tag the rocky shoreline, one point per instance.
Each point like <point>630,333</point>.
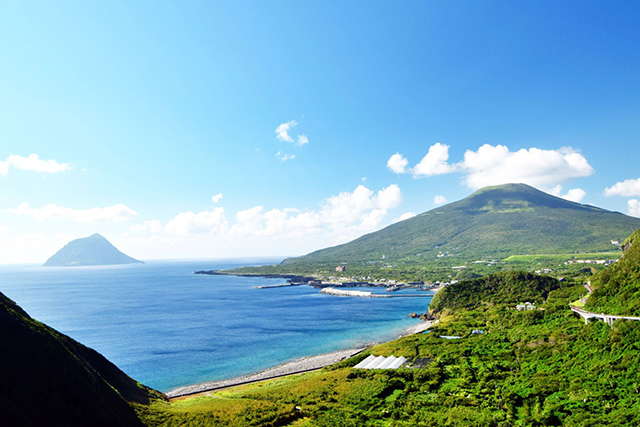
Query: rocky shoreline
<point>294,278</point>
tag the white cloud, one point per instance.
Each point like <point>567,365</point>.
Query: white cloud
<point>434,162</point>
<point>115,213</point>
<point>302,139</point>
<point>194,223</point>
<point>249,221</point>
<point>439,200</point>
<point>32,163</point>
<point>348,208</point>
<point>497,165</point>
<point>404,216</point>
<point>634,207</point>
<point>573,195</point>
<point>397,163</point>
<point>284,157</point>
<point>346,215</point>
<point>216,198</point>
<point>259,231</point>
<point>493,165</point>
<point>147,226</point>
<point>4,229</point>
<point>388,198</point>
<point>282,131</point>
<point>628,188</point>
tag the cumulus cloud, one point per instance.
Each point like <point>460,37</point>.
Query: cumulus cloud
<point>493,165</point>
<point>397,163</point>
<point>147,227</point>
<point>196,223</point>
<point>404,216</point>
<point>282,131</point>
<point>439,200</point>
<point>628,188</point>
<point>573,195</point>
<point>32,163</point>
<point>634,207</point>
<point>284,157</point>
<point>302,139</point>
<point>216,198</point>
<point>281,231</point>
<point>249,221</point>
<point>115,213</point>
<point>346,207</point>
<point>434,162</point>
<point>346,214</point>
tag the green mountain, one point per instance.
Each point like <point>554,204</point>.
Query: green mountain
<point>493,222</point>
<point>92,250</point>
<point>617,288</point>
<point>48,379</point>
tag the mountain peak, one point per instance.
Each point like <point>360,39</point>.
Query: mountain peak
<point>493,222</point>
<point>92,250</point>
<point>516,198</point>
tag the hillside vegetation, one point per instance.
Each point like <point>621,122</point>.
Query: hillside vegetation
<point>542,367</point>
<point>509,287</point>
<point>617,288</point>
<point>503,367</point>
<point>48,379</point>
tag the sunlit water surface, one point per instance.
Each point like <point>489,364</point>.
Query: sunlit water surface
<point>167,327</point>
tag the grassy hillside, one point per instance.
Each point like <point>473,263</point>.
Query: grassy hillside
<point>48,379</point>
<point>617,288</point>
<point>494,222</point>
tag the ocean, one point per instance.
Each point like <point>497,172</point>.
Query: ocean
<point>167,327</point>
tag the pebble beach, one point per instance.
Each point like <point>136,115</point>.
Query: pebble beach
<point>297,366</point>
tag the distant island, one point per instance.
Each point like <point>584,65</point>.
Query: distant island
<point>92,250</point>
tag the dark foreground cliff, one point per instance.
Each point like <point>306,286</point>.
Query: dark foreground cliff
<point>49,379</point>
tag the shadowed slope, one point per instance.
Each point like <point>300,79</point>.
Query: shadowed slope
<point>48,379</point>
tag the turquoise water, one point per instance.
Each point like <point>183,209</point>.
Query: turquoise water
<point>167,327</point>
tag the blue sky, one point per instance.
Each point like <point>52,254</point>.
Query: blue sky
<point>146,110</point>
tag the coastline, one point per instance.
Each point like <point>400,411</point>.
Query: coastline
<point>293,367</point>
<point>297,366</point>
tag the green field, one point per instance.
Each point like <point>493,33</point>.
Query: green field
<point>563,257</point>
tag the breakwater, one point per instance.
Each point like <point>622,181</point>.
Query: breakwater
<point>281,285</point>
<point>346,293</point>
